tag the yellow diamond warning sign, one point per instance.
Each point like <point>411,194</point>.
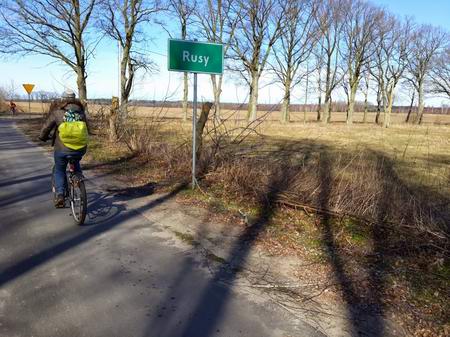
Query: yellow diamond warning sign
<point>28,87</point>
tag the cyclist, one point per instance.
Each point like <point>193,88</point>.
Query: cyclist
<point>12,107</point>
<point>68,118</point>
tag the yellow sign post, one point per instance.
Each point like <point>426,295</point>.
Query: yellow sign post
<point>28,88</point>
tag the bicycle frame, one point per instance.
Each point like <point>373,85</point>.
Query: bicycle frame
<point>75,193</point>
<point>75,181</point>
<point>73,178</point>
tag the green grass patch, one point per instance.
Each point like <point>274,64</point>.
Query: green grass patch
<point>356,232</point>
<point>213,257</point>
<point>187,238</point>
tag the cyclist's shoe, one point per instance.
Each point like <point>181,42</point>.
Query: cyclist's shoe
<point>59,201</point>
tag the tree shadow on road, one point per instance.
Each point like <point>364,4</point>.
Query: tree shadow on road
<point>106,213</point>
<point>25,180</point>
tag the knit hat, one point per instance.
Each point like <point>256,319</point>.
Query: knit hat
<point>67,94</point>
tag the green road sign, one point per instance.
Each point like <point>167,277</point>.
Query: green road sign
<point>195,57</point>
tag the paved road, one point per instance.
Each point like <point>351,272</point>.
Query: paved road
<point>118,275</point>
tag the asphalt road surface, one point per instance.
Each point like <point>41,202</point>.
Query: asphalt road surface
<point>116,276</point>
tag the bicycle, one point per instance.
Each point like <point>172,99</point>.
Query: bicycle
<point>75,192</point>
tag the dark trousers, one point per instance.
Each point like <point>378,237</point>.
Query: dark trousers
<point>61,161</point>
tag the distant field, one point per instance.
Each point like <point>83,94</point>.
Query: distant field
<point>296,117</point>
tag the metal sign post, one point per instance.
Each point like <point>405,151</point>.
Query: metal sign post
<point>28,88</point>
<point>195,57</point>
<point>194,133</point>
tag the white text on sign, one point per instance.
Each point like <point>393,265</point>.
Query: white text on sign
<point>188,57</point>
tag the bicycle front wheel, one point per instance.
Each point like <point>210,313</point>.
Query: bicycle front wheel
<point>78,201</point>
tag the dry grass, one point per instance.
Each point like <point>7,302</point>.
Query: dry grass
<point>420,153</point>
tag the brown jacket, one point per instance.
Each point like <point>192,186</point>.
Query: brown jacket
<point>56,117</point>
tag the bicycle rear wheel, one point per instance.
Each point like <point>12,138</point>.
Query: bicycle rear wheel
<point>78,200</point>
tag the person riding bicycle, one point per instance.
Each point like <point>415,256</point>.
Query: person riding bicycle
<point>12,107</point>
<point>68,118</point>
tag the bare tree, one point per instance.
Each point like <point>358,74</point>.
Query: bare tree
<point>55,28</point>
<point>425,44</point>
<point>440,74</point>
<point>366,87</point>
<point>183,11</point>
<point>257,30</point>
<point>12,90</point>
<point>375,73</point>
<point>318,70</point>
<point>218,24</point>
<point>392,56</point>
<point>122,21</point>
<point>410,89</point>
<point>294,48</point>
<point>379,102</point>
<point>329,18</point>
<point>359,26</point>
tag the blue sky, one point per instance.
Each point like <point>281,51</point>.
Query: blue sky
<point>103,80</point>
<point>436,12</point>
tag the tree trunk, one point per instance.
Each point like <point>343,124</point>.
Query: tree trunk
<point>330,109</point>
<point>81,83</point>
<point>217,91</point>
<point>366,106</point>
<point>123,110</point>
<point>408,116</point>
<point>351,104</point>
<point>253,103</point>
<point>217,104</point>
<point>418,118</point>
<point>113,119</point>
<point>388,110</point>
<point>206,107</point>
<point>379,101</point>
<point>306,96</point>
<point>326,110</point>
<point>185,97</point>
<point>319,108</point>
<point>286,103</point>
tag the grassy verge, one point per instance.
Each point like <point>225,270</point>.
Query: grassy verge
<point>370,206</point>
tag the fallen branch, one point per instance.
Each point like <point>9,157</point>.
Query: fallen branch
<point>391,224</point>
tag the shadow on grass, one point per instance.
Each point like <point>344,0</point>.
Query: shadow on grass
<point>365,319</point>
<point>388,245</point>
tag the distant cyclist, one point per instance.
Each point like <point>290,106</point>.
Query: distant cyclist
<point>68,118</point>
<point>12,107</point>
